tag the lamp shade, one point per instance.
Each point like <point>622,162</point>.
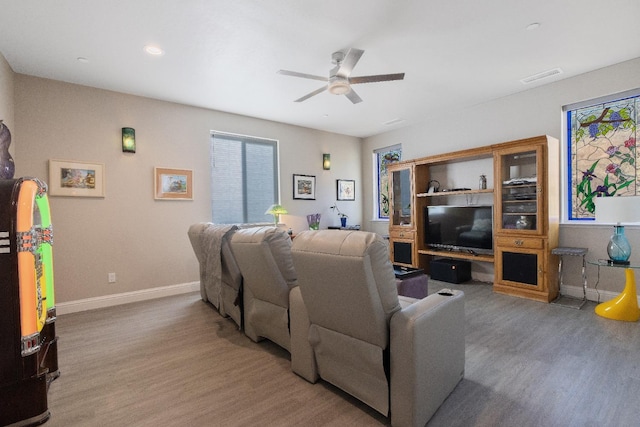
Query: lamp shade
<point>617,210</point>
<point>276,210</point>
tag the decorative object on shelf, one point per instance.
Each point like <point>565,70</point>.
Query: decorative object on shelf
<point>276,210</point>
<point>523,223</point>
<point>618,211</point>
<point>326,161</point>
<point>7,166</point>
<point>433,186</point>
<point>346,189</point>
<point>343,217</point>
<point>483,183</point>
<point>173,184</point>
<point>314,221</point>
<point>304,187</point>
<point>76,179</point>
<point>128,140</point>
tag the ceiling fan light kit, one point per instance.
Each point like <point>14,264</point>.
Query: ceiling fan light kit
<point>339,86</point>
<point>339,82</point>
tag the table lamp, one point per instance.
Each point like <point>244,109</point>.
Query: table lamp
<point>618,211</point>
<point>276,210</point>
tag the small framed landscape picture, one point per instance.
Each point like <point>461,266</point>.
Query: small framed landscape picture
<point>304,187</point>
<point>173,184</point>
<point>346,189</point>
<point>76,179</point>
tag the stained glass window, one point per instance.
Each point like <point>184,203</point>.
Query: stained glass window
<point>602,153</point>
<point>383,158</point>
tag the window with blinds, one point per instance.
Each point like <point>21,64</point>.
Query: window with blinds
<point>244,178</point>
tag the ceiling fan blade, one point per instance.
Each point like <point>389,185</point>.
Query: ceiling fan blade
<point>378,78</point>
<point>309,95</point>
<point>350,60</point>
<point>303,75</point>
<point>353,96</point>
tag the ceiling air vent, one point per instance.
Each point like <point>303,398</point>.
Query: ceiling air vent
<point>540,76</point>
<point>393,122</point>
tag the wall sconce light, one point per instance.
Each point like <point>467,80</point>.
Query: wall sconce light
<point>326,161</point>
<point>128,140</point>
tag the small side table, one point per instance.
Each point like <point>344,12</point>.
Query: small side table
<point>565,300</point>
<point>624,306</point>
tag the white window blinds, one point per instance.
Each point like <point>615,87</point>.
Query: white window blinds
<point>244,178</point>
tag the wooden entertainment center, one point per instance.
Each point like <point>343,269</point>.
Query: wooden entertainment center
<point>523,186</point>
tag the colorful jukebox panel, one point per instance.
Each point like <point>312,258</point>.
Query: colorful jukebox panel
<point>27,311</point>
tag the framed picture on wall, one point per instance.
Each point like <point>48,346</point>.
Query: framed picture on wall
<point>76,179</point>
<point>304,187</point>
<point>346,189</point>
<point>173,184</point>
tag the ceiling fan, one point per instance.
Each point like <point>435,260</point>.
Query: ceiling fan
<point>339,81</point>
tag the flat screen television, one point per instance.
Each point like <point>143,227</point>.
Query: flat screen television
<point>459,228</point>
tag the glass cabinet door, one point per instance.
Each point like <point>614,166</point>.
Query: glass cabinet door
<point>401,197</point>
<point>519,198</point>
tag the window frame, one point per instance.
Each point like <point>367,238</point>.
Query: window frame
<point>573,185</point>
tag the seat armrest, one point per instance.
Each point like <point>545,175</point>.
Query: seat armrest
<point>303,360</point>
<point>427,356</point>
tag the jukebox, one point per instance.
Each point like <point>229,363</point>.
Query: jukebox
<point>28,342</point>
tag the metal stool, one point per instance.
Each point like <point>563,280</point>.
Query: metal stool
<point>565,300</point>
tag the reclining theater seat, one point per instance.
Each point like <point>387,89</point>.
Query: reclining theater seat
<point>220,279</point>
<point>273,306</point>
<point>402,357</point>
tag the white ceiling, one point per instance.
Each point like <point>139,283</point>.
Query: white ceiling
<point>224,54</point>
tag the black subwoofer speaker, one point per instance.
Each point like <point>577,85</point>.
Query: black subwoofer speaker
<point>450,270</point>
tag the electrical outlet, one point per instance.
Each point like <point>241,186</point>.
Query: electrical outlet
<point>112,277</point>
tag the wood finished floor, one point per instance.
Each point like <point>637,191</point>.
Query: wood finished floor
<point>175,362</point>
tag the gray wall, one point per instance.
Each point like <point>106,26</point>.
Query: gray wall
<point>6,99</point>
<point>144,241</point>
<point>537,111</point>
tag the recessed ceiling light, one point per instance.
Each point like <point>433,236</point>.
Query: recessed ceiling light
<point>153,50</point>
<point>533,26</point>
<point>82,59</point>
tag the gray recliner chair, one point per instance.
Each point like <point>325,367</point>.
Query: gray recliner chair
<point>400,356</point>
<point>220,278</point>
<point>272,304</point>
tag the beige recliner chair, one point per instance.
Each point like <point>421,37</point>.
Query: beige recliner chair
<point>273,307</point>
<point>220,279</point>
<point>400,356</point>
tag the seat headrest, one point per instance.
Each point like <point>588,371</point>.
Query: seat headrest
<point>337,242</point>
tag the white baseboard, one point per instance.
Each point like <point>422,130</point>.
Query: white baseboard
<point>125,298</point>
<point>592,294</point>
